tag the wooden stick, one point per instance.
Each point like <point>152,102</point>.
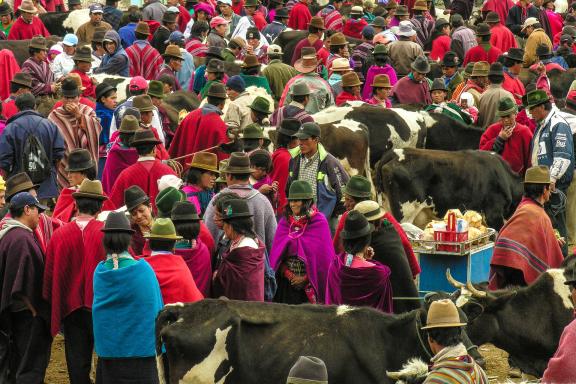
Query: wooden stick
<point>204,150</point>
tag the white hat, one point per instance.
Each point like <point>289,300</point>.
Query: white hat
<point>227,2</point>
<point>340,64</point>
<point>529,22</point>
<point>274,50</point>
<point>468,97</point>
<point>357,10</point>
<point>406,29</point>
<point>169,181</point>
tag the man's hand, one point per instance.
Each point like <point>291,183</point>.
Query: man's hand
<point>553,186</point>
<point>299,281</point>
<point>74,109</point>
<point>505,133</point>
<point>265,189</point>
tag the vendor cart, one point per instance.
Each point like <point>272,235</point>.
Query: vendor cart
<point>467,260</point>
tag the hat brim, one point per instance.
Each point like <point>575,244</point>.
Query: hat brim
<point>529,106</point>
<point>28,10</point>
<point>349,235</point>
<point>299,197</point>
<point>80,169</point>
<point>287,132</point>
<point>127,230</point>
<point>298,65</point>
<point>137,202</point>
<point>444,325</point>
<point>90,196</point>
<point>22,188</point>
<point>204,168</point>
<point>165,237</point>
<point>174,57</point>
<point>145,142</point>
<point>376,85</point>
<point>156,95</point>
<point>236,171</point>
<point>355,193</point>
<point>187,217</point>
<point>507,112</point>
<point>238,216</point>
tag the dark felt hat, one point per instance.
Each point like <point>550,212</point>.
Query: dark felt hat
<point>250,61</point>
<point>260,104</point>
<point>355,226</point>
<point>90,189</point>
<point>5,9</point>
<point>282,13</point>
<point>206,161</point>
<point>156,89</point>
<point>338,39</point>
<point>234,209</point>
<point>506,107</point>
<point>166,199</point>
<point>215,52</point>
<point>70,88</point>
<point>483,29</point>
<point>169,17</point>
<point>516,54</point>
<point>83,54</point>
<point>438,85</point>
<point>20,182</point>
<point>215,66</point>
<point>217,90</point>
<point>173,51</point>
<point>289,127</point>
<point>38,42</point>
<point>184,211</point>
<point>421,65</point>
<point>239,163</point>
<point>129,124</point>
<point>134,196</point>
<point>496,69</point>
<point>450,59</point>
<point>252,33</point>
<point>492,17</point>
<point>117,222</point>
<point>543,51</point>
<point>22,78</point>
<point>143,103</point>
<point>379,21</point>
<point>300,190</point>
<point>536,98</point>
<point>79,160</point>
<point>316,22</point>
<point>253,131</point>
<point>98,36</point>
<point>102,89</point>
<point>143,28</point>
<point>358,186</point>
<point>144,137</point>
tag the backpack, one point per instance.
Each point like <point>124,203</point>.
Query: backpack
<point>34,160</point>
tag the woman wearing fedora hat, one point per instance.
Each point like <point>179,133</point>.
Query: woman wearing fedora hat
<point>300,261</point>
<point>382,66</point>
<point>350,89</point>
<point>354,278</point>
<point>127,291</point>
<point>240,276</point>
<point>200,179</point>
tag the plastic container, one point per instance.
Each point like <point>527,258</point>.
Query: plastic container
<point>450,235</point>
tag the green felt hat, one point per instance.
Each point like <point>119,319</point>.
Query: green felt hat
<point>535,98</point>
<point>506,107</point>
<point>260,104</point>
<point>184,211</point>
<point>300,190</point>
<point>156,89</point>
<point>235,209</point>
<point>166,199</point>
<point>163,228</point>
<point>358,186</point>
<point>253,131</point>
<point>355,226</point>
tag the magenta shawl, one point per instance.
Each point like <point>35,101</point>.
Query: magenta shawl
<point>118,160</point>
<point>198,261</point>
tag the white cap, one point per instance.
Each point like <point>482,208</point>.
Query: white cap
<point>274,49</point>
<point>529,22</point>
<point>227,2</point>
<point>406,29</point>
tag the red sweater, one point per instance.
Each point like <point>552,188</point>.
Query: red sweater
<point>516,149</point>
<point>300,16</point>
<point>440,46</point>
<point>89,87</point>
<point>280,172</point>
<point>9,108</point>
<point>22,31</point>
<point>353,28</point>
<point>502,38</point>
<point>514,86</point>
<point>478,53</point>
<point>343,97</point>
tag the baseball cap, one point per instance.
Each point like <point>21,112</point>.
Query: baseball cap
<point>22,199</point>
<point>70,40</point>
<point>308,130</point>
<point>227,2</point>
<point>138,83</point>
<point>173,9</point>
<point>216,21</point>
<point>175,37</point>
<point>274,50</point>
<point>96,8</point>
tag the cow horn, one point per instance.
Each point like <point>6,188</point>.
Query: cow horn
<point>394,375</point>
<point>453,281</point>
<point>475,292</point>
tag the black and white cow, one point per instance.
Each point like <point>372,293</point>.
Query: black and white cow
<point>413,178</point>
<point>525,322</point>
<point>19,48</point>
<point>406,127</point>
<point>220,341</point>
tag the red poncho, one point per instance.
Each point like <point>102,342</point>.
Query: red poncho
<point>9,108</point>
<point>241,274</point>
<point>344,97</point>
<point>479,53</point>
<point>89,87</point>
<point>66,209</point>
<point>176,282</point>
<point>8,68</point>
<point>280,172</point>
<point>502,38</point>
<point>562,366</point>
<point>300,16</point>
<point>203,128</point>
<point>118,160</point>
<point>516,148</point>
<point>23,31</point>
<point>353,28</point>
<point>513,85</point>
<point>72,256</point>
<point>526,243</point>
<point>199,263</point>
<point>144,174</point>
<point>440,46</point>
<point>501,7</point>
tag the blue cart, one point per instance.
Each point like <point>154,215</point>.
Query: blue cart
<point>469,261</point>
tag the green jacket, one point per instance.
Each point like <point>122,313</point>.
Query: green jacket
<point>257,81</point>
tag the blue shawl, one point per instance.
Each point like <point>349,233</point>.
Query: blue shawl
<point>105,115</point>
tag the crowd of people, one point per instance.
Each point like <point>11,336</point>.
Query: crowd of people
<point>113,208</point>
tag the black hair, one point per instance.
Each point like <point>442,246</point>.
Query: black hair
<point>223,198</point>
<point>299,98</point>
<point>189,229</point>
<point>15,87</point>
<point>457,22</point>
<point>240,176</point>
<point>348,89</point>
<point>282,140</point>
<point>33,51</point>
<point>307,205</point>
<point>140,36</point>
<point>107,94</point>
<point>219,76</point>
<point>250,144</point>
<point>243,226</point>
<point>16,212</point>
<point>161,244</point>
<point>137,92</point>
<point>536,25</point>
<point>496,79</point>
<point>336,48</point>
<point>116,242</point>
<point>354,246</point>
<point>259,117</point>
<point>508,62</point>
<point>312,29</point>
<point>126,138</point>
<point>25,101</point>
<point>446,336</point>
<point>381,59</point>
<point>88,206</point>
<point>548,105</point>
<point>194,174</point>
<point>198,28</point>
<point>90,173</point>
<point>111,2</point>
<point>95,45</point>
<point>534,191</point>
<point>252,71</point>
<point>145,149</point>
<point>167,79</point>
<point>485,38</point>
<point>261,161</point>
<point>135,17</point>
<point>215,100</point>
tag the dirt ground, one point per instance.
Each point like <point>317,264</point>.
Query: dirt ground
<point>496,360</point>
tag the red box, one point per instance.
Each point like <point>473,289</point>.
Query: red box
<point>450,235</point>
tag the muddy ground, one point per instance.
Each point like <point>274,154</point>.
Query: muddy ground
<point>496,360</point>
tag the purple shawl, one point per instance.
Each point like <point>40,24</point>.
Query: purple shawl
<point>200,264</point>
<point>317,255</point>
<point>366,286</point>
<point>118,160</point>
<point>372,72</point>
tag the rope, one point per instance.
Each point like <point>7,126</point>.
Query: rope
<point>422,344</point>
<point>204,150</point>
<point>407,298</point>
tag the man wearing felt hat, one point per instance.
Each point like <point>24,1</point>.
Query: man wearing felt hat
<point>276,72</point>
<point>6,19</point>
<point>440,104</point>
<point>355,24</point>
<point>484,51</point>
<point>300,95</point>
<point>490,98</point>
<point>451,362</point>
<point>16,135</point>
<point>277,26</point>
<point>451,76</point>
<point>314,40</point>
<point>414,88</point>
<point>28,24</point>
<point>513,60</point>
<point>501,37</point>
<point>251,74</point>
<point>508,138</point>
<point>146,168</point>
<point>71,258</point>
<point>285,141</point>
<point>173,60</point>
<point>20,83</point>
<point>528,234</point>
<point>404,51</point>
<point>24,314</point>
<point>422,25</point>
<point>127,32</point>
<point>39,68</point>
<point>162,34</point>
<point>478,80</point>
<point>144,59</point>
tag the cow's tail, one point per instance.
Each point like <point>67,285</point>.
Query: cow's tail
<point>387,157</point>
<point>166,317</point>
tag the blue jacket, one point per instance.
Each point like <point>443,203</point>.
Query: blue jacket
<point>330,181</point>
<point>117,62</point>
<point>555,148</point>
<point>13,139</point>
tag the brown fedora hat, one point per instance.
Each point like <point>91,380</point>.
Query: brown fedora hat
<point>350,79</point>
<point>173,51</point>
<point>250,61</point>
<point>381,81</point>
<point>443,314</point>
<point>306,64</point>
<point>144,137</point>
<point>20,182</point>
<point>143,103</point>
<point>317,22</point>
<point>239,163</point>
<point>22,78</point>
<point>90,189</point>
<point>28,7</point>
<point>143,28</point>
<point>206,161</point>
<point>338,39</point>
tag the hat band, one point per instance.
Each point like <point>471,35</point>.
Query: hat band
<point>373,213</point>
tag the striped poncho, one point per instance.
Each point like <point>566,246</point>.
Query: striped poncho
<point>144,60</point>
<point>454,365</point>
<point>81,133</point>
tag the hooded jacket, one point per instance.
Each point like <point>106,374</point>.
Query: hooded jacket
<point>117,62</point>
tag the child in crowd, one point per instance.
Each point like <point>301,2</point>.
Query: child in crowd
<point>466,103</point>
<point>261,166</point>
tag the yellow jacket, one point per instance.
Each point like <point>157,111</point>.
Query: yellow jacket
<point>537,37</point>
